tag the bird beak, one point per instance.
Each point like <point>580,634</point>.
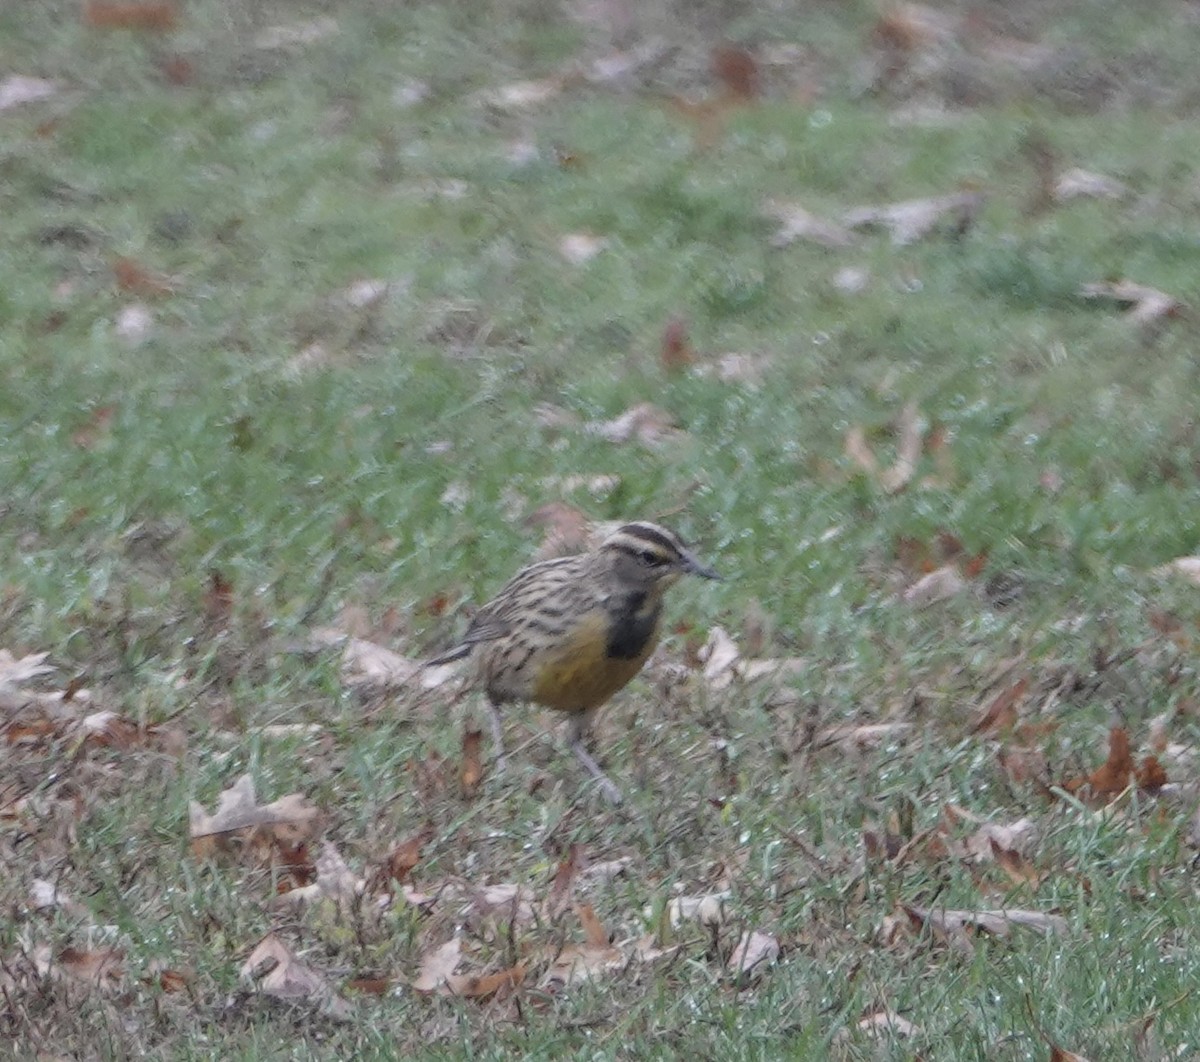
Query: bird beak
<point>693,567</point>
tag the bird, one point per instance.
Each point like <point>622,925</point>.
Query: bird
<point>569,632</point>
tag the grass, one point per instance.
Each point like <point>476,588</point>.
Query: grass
<point>396,476</point>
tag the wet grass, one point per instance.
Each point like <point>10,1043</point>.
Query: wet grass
<point>394,475</point>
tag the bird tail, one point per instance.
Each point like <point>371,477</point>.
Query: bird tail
<point>451,655</point>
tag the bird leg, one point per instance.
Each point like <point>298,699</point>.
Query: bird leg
<point>579,727</point>
<point>497,735</point>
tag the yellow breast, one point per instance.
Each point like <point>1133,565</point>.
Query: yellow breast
<point>579,675</point>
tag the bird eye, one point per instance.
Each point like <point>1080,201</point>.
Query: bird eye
<point>648,556</point>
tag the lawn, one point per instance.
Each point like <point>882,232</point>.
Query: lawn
<point>319,320</point>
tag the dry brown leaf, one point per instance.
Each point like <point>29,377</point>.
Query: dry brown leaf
<point>280,974</point>
<point>484,986</point>
<point>335,879</point>
<point>859,451</point>
<point>753,952</point>
<point>17,89</point>
<point>1003,712</point>
<point>136,279</point>
<point>1115,774</point>
<point>154,15</point>
<point>939,585</point>
<point>1061,1054</point>
<point>291,820</point>
<point>102,968</point>
<point>676,351</point>
<point>863,736</point>
<point>998,923</point>
<point>881,1022</point>
<point>1019,837</point>
<point>563,886</point>
<point>737,70</point>
<point>646,423</point>
<point>134,324</point>
<point>296,34</point>
<point>914,219</point>
<point>438,966</point>
<point>851,280</point>
<point>403,859</point>
<point>579,248</point>
<point>1082,184</point>
<point>908,451</point>
<point>521,95</point>
<point>471,771</point>
<point>16,672</point>
<point>568,530</point>
<point>366,664</point>
<point>707,117</point>
<point>580,962</point>
<point>1146,305</point>
<point>707,910</point>
<point>737,368</point>
<point>370,986</point>
<point>1188,567</point>
<point>798,223</point>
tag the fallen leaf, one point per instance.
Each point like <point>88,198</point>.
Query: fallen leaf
<point>1115,773</point>
<point>296,34</point>
<point>562,888</point>
<point>646,423</point>
<point>753,952</point>
<point>280,974</point>
<point>438,966</point>
<point>997,922</point>
<point>102,968</point>
<point>17,89</point>
<point>136,279</point>
<point>16,672</point>
<point>1188,567</point>
<point>46,896</point>
<point>708,910</point>
<point>1146,305</point>
<point>402,859</point>
<point>863,736</point>
<point>484,986</point>
<point>521,95</point>
<point>1077,184</point>
<point>851,280</point>
<point>568,530</point>
<point>737,70</point>
<point>798,223</point>
<point>134,324</point>
<point>471,773</point>
<point>366,664</point>
<point>97,428</point>
<point>371,986</point>
<point>579,248</point>
<point>1018,836</point>
<point>156,15</point>
<point>1002,713</point>
<point>941,584</point>
<point>580,962</point>
<point>859,451</point>
<point>881,1022</point>
<point>218,599</point>
<point>676,351</point>
<point>335,879</point>
<point>914,219</point>
<point>908,451</point>
<point>291,819</point>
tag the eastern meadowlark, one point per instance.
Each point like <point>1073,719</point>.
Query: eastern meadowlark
<point>568,633</point>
